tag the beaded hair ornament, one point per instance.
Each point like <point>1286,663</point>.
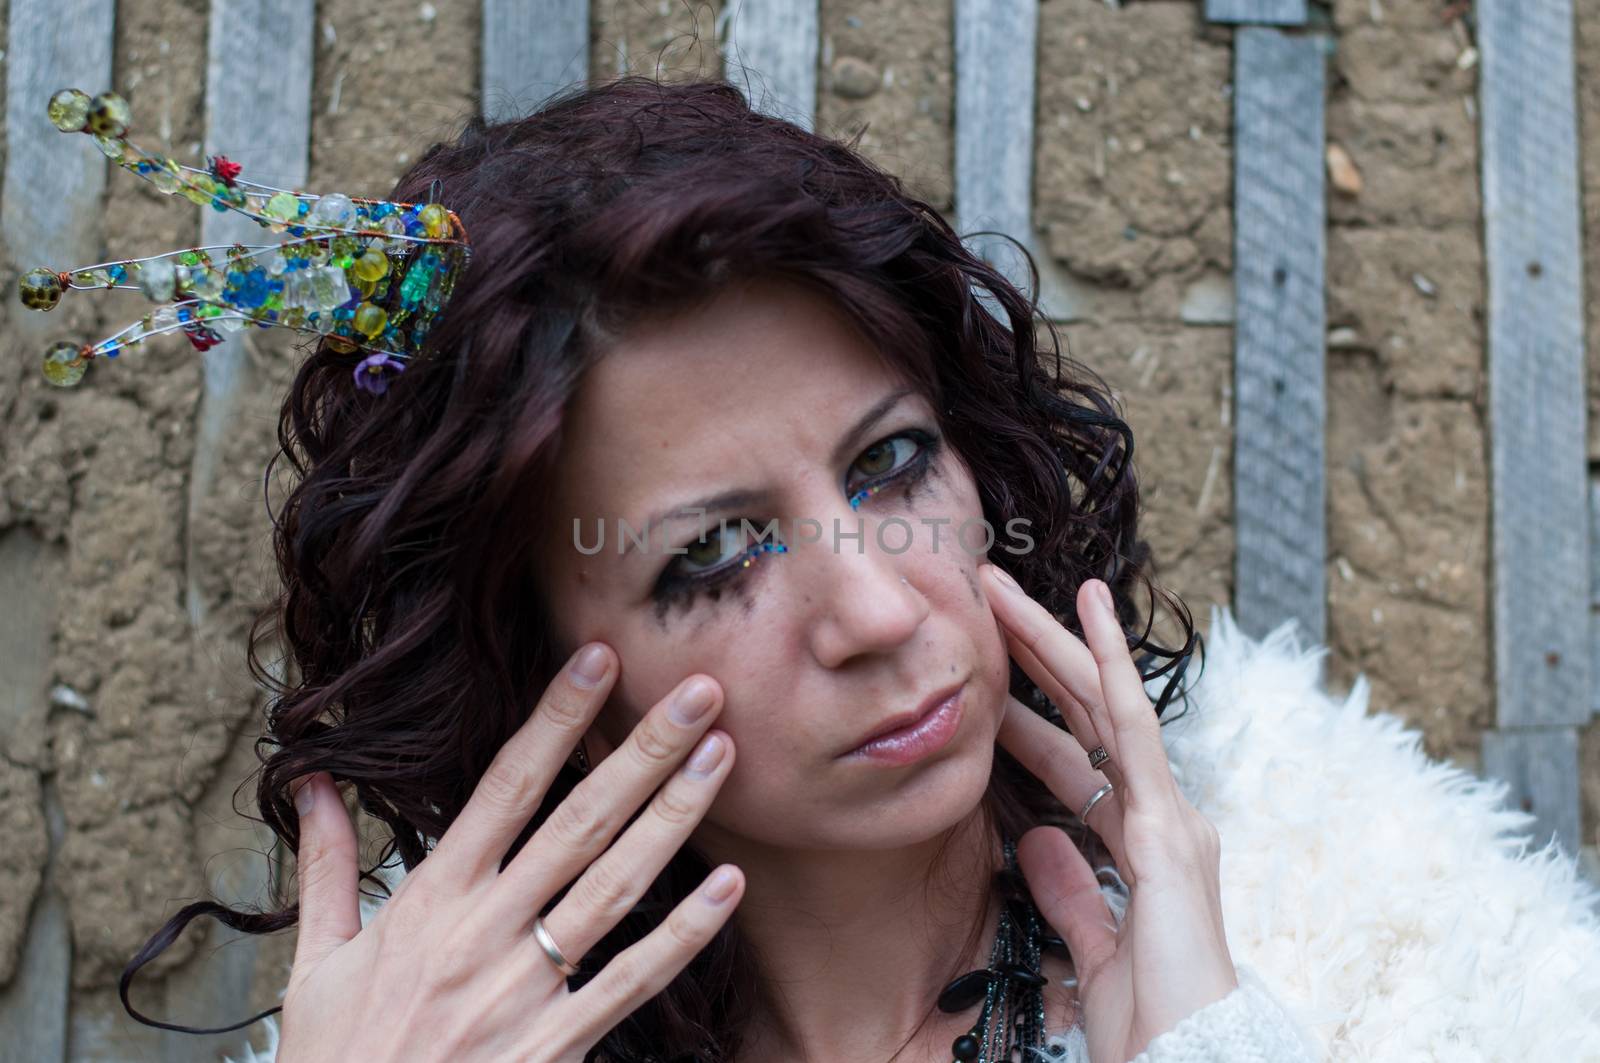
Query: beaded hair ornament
<point>363,274</point>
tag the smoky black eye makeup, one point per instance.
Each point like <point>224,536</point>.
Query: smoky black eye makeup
<point>726,555</point>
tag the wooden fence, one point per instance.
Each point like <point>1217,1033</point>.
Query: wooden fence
<point>1545,648</point>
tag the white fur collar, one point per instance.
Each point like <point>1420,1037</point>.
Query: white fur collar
<point>1390,902</point>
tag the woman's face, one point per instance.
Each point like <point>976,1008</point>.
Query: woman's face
<point>768,395</point>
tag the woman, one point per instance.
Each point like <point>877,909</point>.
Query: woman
<point>712,333</point>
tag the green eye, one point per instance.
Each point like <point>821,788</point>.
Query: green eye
<point>880,458</point>
<point>714,549</point>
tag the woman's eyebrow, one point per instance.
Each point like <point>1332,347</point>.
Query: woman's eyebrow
<point>744,497</point>
<point>880,409</point>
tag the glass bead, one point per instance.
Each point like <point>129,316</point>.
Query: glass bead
<point>231,324</point>
<point>168,179</point>
<point>40,289</point>
<point>334,209</point>
<point>199,190</point>
<point>284,206</point>
<point>69,110</point>
<point>206,283</point>
<point>110,147</point>
<point>109,115</point>
<point>275,262</point>
<point>391,224</point>
<point>157,279</point>
<point>372,266</point>
<point>435,220</point>
<point>331,287</point>
<point>340,344</point>
<point>64,365</point>
<point>370,319</point>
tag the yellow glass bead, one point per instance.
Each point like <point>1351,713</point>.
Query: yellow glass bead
<point>372,266</point>
<point>69,110</point>
<point>40,289</point>
<point>285,206</point>
<point>64,365</point>
<point>199,188</point>
<point>370,320</point>
<point>109,115</point>
<point>435,220</point>
<point>366,288</point>
<point>338,344</point>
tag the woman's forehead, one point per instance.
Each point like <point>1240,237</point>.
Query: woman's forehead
<point>765,364</point>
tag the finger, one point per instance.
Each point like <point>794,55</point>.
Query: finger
<point>1080,725</point>
<point>1132,718</point>
<point>514,784</point>
<point>583,824</point>
<point>325,865</point>
<point>1067,894</point>
<point>1037,744</point>
<point>1056,656</point>
<point>613,884</point>
<point>644,968</point>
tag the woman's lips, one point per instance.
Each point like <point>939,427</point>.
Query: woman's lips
<point>918,739</point>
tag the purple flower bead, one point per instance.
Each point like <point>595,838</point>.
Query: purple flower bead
<point>375,370</point>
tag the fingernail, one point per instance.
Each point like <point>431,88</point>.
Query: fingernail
<point>719,887</point>
<point>1005,577</point>
<point>706,756</point>
<point>304,796</point>
<point>690,703</point>
<point>1104,594</point>
<point>590,667</point>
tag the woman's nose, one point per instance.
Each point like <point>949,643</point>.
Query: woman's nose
<point>863,603</point>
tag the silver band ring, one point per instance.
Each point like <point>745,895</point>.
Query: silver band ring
<point>1098,756</point>
<point>1098,794</point>
<point>548,943</point>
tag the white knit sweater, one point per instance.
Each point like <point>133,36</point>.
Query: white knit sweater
<point>1380,907</point>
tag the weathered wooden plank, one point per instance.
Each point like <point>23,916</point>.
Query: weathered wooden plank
<point>770,48</point>
<point>531,48</point>
<point>1538,480</point>
<point>1266,12</point>
<point>996,44</point>
<point>259,51</point>
<point>33,1008</point>
<point>47,218</point>
<point>1541,766</point>
<point>1279,377</point>
<point>1594,595</point>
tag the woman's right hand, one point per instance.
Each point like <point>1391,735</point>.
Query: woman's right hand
<point>449,968</point>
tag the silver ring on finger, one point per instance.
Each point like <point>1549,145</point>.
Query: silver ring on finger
<point>1098,756</point>
<point>551,950</point>
<point>1098,794</point>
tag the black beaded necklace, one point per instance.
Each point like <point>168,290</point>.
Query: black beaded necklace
<point>1011,987</point>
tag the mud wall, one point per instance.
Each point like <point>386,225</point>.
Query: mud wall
<point>128,723</point>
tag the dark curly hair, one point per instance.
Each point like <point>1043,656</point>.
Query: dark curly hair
<point>416,635</point>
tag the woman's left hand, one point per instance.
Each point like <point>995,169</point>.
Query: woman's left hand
<point>1170,958</point>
